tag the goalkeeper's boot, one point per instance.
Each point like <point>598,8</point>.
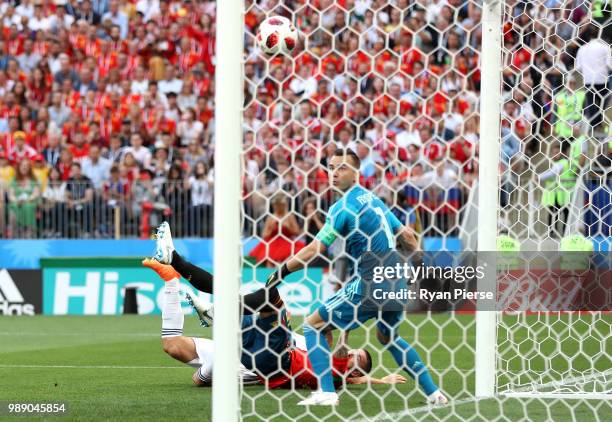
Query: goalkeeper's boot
<point>166,272</point>
<point>164,246</point>
<point>320,398</point>
<point>204,311</point>
<point>437,398</point>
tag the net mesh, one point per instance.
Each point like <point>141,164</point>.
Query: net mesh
<point>399,83</point>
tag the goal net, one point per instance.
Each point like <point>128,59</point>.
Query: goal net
<point>401,84</point>
<point>555,186</point>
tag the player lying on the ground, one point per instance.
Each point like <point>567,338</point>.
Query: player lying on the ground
<point>367,226</point>
<point>265,337</point>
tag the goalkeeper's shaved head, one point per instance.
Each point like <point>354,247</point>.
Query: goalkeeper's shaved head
<point>344,169</point>
<point>350,155</point>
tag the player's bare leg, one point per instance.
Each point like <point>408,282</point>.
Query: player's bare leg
<point>181,348</point>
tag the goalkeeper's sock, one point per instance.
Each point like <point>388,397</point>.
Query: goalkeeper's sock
<point>199,278</point>
<point>172,315</point>
<point>407,358</point>
<point>319,356</point>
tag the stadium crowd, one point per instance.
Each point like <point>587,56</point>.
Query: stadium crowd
<point>107,123</point>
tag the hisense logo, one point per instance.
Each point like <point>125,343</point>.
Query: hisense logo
<point>11,299</point>
<point>102,293</point>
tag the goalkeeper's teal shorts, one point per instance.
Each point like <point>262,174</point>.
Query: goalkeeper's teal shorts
<point>345,311</point>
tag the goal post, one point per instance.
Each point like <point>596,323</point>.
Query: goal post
<point>488,184</point>
<point>227,206</point>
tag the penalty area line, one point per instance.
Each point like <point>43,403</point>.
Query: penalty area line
<point>91,367</point>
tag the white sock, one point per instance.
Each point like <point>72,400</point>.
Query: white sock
<point>172,315</point>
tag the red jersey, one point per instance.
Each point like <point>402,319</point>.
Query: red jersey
<point>41,47</point>
<point>206,48</point>
<point>301,373</point>
<point>433,149</point>
<point>109,125</point>
<point>91,48</point>
<point>79,153</point>
<point>117,46</point>
<point>409,58</point>
<point>14,46</point>
<point>106,62</point>
<point>186,61</point>
<point>64,169</point>
<point>132,63</point>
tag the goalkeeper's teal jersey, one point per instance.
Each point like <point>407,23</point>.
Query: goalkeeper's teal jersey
<point>363,220</point>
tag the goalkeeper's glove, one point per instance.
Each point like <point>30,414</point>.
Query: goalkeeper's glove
<point>276,277</point>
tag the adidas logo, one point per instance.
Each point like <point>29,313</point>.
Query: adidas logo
<point>11,300</point>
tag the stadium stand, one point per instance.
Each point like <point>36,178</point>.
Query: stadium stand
<point>107,112</point>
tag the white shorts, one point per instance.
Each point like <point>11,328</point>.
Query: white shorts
<point>205,349</point>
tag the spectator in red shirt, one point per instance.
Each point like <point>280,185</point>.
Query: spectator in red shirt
<point>38,88</point>
<point>130,166</point>
<point>432,147</point>
<point>79,148</point>
<point>461,150</point>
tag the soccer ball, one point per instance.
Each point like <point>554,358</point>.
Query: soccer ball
<point>277,35</point>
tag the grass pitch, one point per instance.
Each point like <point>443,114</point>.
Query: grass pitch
<point>113,368</point>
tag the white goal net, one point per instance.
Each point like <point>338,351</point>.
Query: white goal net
<point>400,83</point>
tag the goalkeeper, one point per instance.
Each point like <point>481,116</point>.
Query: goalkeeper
<point>367,225</point>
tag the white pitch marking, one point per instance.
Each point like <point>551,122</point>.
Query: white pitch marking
<point>18,333</point>
<point>564,396</point>
<point>92,367</point>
